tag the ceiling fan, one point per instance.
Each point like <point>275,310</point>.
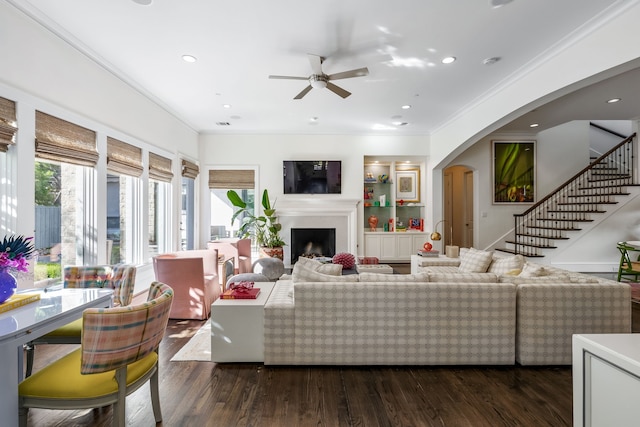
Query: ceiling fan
<point>320,80</point>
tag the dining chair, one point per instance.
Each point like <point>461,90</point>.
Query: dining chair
<point>628,267</point>
<point>121,278</point>
<point>119,354</point>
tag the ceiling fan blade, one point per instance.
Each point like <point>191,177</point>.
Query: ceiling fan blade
<point>337,90</point>
<point>316,63</point>
<point>360,72</point>
<point>289,77</point>
<point>303,93</point>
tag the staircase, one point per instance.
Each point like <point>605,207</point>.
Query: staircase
<point>574,203</point>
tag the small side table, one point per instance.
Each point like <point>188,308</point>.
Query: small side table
<point>237,327</point>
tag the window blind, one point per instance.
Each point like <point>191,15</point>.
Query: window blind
<point>123,158</point>
<point>189,169</point>
<point>232,179</point>
<point>8,125</point>
<point>62,141</point>
<point>160,168</point>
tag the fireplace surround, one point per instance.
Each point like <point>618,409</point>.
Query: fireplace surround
<point>319,212</point>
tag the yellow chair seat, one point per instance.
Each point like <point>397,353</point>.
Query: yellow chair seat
<point>73,329</point>
<point>62,379</point>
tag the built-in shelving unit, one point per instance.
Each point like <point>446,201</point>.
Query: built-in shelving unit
<point>399,230</point>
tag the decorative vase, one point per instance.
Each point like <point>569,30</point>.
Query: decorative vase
<point>8,284</point>
<point>277,252</point>
<point>373,222</point>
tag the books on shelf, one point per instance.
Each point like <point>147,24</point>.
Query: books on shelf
<point>429,253</point>
<point>240,293</point>
<point>18,300</point>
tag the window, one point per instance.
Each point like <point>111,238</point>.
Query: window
<point>160,176</point>
<point>124,167</point>
<point>220,181</point>
<point>62,236</point>
<point>65,185</point>
<point>190,172</point>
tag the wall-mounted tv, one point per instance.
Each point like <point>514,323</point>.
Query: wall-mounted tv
<point>312,176</point>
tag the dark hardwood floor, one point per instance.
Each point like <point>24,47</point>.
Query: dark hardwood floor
<point>207,394</point>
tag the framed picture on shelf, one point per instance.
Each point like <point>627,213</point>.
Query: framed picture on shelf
<point>514,171</point>
<point>408,185</point>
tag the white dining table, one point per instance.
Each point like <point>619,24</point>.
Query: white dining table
<point>21,325</point>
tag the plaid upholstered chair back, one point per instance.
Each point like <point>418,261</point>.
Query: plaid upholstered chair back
<point>87,276</point>
<point>118,336</point>
<point>123,281</point>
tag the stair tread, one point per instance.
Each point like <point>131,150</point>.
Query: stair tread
<point>564,219</point>
<point>514,252</point>
<point>538,236</point>
<point>531,245</point>
<point>585,203</point>
<point>573,211</point>
<point>553,228</point>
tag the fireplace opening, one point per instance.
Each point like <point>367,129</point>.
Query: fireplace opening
<point>312,243</point>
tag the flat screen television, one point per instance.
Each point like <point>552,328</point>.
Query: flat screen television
<point>312,176</point>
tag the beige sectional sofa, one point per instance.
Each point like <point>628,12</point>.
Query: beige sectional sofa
<point>440,316</point>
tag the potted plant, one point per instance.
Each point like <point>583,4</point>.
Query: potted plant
<point>265,228</point>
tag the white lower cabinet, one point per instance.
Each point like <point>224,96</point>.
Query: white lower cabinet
<point>393,246</point>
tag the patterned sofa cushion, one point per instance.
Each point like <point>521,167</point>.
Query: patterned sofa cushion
<point>506,265</point>
<point>331,269</point>
<point>519,280</point>
<point>304,274</point>
<point>387,278</point>
<point>475,261</point>
<point>457,277</point>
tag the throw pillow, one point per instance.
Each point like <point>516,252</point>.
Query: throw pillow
<point>379,277</point>
<point>475,261</point>
<point>533,270</point>
<point>332,269</point>
<point>506,265</point>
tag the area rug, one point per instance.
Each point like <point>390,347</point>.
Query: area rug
<point>198,348</point>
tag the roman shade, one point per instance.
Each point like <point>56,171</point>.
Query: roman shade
<point>237,179</point>
<point>62,141</point>
<point>8,125</point>
<point>123,158</point>
<point>189,169</point>
<point>160,168</point>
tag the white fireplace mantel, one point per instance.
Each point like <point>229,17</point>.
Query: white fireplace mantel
<point>315,212</point>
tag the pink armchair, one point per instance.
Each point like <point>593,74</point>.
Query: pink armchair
<point>239,249</point>
<point>193,275</point>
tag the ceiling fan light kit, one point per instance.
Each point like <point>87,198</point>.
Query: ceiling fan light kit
<point>320,80</point>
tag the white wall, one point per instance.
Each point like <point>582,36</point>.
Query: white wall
<point>42,72</point>
<point>267,152</point>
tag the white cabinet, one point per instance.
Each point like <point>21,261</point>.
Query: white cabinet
<point>393,246</point>
<point>389,213</point>
<point>606,380</point>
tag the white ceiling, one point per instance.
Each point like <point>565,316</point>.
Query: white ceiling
<point>238,44</point>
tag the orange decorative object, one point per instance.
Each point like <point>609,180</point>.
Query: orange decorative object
<point>427,246</point>
<point>373,222</point>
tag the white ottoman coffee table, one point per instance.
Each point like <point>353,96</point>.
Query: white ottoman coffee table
<point>237,327</point>
<point>374,268</point>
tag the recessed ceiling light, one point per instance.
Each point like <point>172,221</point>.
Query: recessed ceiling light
<point>143,2</point>
<point>406,107</point>
<point>400,123</point>
<point>448,59</point>
<point>227,106</point>
<point>189,58</point>
<point>534,125</point>
<point>223,123</point>
<point>614,100</point>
